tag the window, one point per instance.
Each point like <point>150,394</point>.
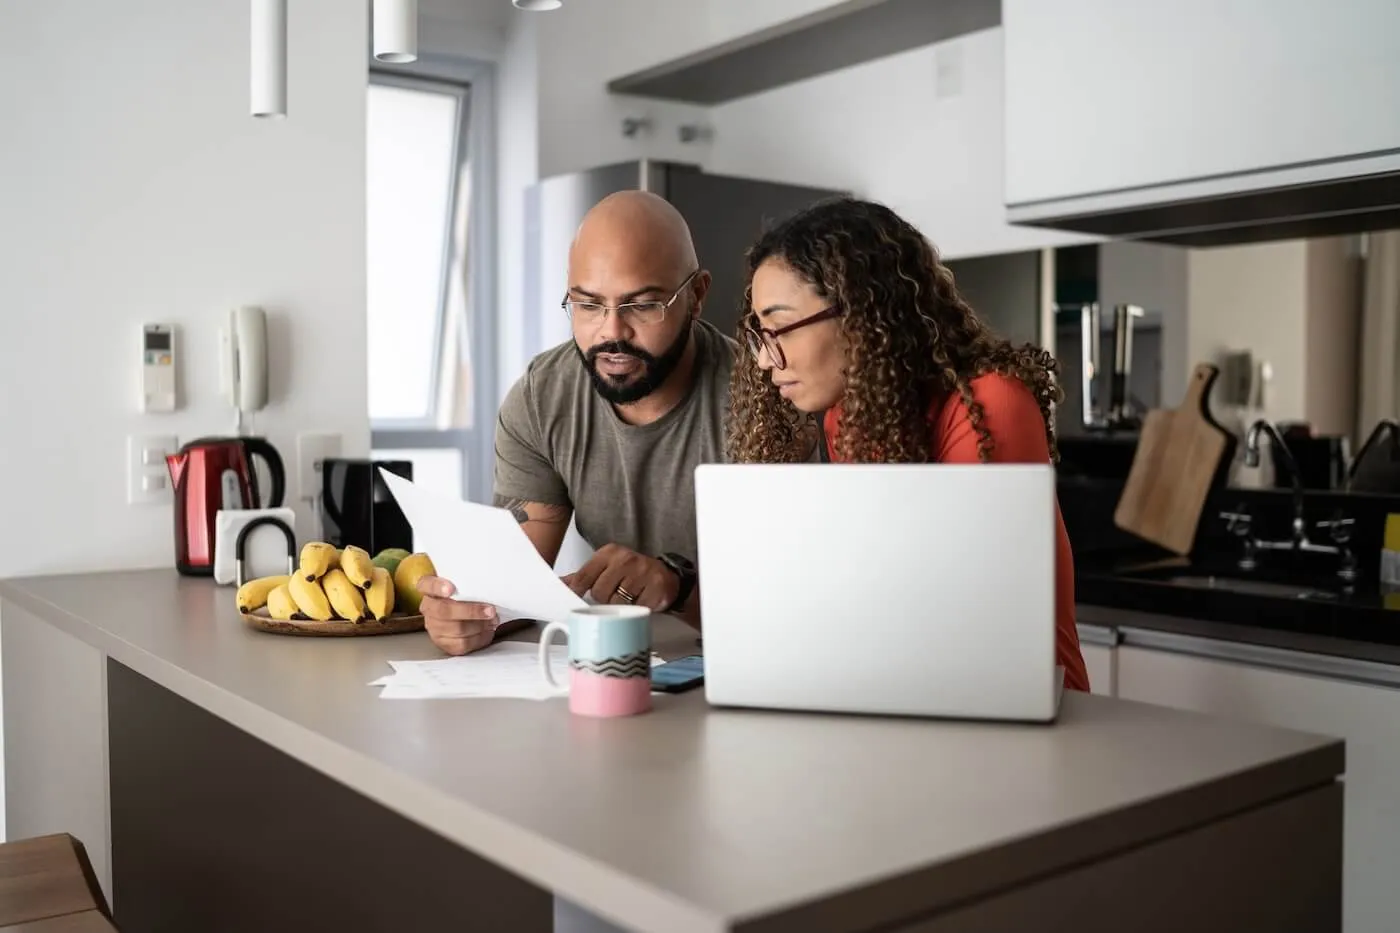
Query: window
<point>416,205</point>
<point>437,469</point>
<point>430,215</point>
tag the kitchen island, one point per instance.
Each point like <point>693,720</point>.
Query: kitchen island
<point>227,779</point>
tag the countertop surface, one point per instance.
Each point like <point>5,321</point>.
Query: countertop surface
<point>692,818</point>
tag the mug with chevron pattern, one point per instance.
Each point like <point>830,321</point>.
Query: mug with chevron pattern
<point>609,660</point>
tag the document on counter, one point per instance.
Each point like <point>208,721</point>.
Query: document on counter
<point>506,670</point>
<point>510,669</point>
<point>484,552</point>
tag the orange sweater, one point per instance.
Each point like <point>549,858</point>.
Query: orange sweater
<point>1012,418</point>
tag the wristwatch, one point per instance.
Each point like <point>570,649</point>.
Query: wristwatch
<point>684,569</point>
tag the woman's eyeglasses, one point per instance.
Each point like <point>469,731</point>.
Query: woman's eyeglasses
<point>763,338</point>
<point>640,313</point>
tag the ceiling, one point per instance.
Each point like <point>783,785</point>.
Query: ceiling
<point>474,14</point>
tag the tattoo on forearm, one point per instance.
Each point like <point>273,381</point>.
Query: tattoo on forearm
<point>516,507</point>
<point>550,514</point>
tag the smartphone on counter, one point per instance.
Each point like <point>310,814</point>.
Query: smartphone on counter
<point>679,675</point>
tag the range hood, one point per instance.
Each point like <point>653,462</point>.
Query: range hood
<point>1319,199</point>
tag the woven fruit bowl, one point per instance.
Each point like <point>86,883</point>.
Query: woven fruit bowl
<point>339,593</point>
<point>391,625</point>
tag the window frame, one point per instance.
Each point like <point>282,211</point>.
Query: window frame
<point>476,144</point>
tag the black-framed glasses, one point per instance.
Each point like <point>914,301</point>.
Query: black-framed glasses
<point>761,338</point>
<point>640,313</point>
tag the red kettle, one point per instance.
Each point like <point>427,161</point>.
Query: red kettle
<point>214,473</point>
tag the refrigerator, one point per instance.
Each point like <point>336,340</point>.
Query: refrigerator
<point>725,213</point>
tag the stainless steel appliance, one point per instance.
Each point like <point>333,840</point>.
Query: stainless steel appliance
<point>1106,399</point>
<point>725,213</point>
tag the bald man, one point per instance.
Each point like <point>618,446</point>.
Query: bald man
<point>607,428</point>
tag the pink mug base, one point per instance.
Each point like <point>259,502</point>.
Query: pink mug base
<point>595,695</point>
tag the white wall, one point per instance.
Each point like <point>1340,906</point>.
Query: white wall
<point>726,20</point>
<point>137,188</point>
<point>920,131</point>
<point>1294,303</point>
<point>641,34</point>
<point>581,47</point>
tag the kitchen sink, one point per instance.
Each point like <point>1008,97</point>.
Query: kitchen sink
<point>1241,585</point>
<point>1201,578</point>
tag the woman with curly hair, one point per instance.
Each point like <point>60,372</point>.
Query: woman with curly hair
<point>862,348</point>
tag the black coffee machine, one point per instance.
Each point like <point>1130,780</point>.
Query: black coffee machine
<point>1322,459</point>
<point>358,508</point>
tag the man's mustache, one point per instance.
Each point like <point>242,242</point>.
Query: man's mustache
<point>618,347</point>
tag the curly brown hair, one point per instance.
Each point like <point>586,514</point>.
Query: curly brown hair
<point>910,337</point>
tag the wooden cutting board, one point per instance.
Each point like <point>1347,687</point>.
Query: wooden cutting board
<point>1179,453</point>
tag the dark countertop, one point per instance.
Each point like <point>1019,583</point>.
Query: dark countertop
<point>1279,606</point>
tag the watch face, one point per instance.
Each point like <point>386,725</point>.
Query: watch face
<point>682,564</point>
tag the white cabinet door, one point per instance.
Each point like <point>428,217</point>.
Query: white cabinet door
<point>1106,95</point>
<point>1099,662</point>
<point>1098,644</point>
<point>1367,717</point>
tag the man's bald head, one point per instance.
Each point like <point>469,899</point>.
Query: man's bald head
<point>636,230</point>
<point>634,249</point>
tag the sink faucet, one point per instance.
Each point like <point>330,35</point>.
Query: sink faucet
<point>1239,522</point>
<point>1283,455</point>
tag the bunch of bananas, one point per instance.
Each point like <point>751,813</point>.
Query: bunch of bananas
<point>331,583</point>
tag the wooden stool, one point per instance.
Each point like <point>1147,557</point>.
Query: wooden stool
<point>47,886</point>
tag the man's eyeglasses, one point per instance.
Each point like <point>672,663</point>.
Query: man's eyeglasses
<point>640,313</point>
<point>762,338</point>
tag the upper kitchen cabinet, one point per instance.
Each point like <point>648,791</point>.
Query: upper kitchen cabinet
<point>753,47</point>
<point>1203,122</point>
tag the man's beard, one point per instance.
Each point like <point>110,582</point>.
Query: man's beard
<point>655,369</point>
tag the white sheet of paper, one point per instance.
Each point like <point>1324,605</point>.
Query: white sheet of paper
<point>507,670</point>
<point>484,552</point>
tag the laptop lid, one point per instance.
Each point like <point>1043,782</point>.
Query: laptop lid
<point>907,589</point>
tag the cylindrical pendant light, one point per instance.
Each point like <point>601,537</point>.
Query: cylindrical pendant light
<point>396,30</point>
<point>267,63</point>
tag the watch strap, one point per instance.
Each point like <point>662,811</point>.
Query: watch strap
<point>685,575</point>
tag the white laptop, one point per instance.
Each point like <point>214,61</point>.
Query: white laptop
<point>917,590</point>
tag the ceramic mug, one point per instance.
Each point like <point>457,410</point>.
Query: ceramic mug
<point>609,660</point>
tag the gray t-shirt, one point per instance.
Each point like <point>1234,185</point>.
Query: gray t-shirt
<point>558,442</point>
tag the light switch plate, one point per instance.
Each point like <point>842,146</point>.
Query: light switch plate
<point>312,450</point>
<point>147,476</point>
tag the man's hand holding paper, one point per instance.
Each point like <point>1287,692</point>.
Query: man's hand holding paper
<point>488,570</point>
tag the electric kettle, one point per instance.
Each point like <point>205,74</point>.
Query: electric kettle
<point>214,473</point>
